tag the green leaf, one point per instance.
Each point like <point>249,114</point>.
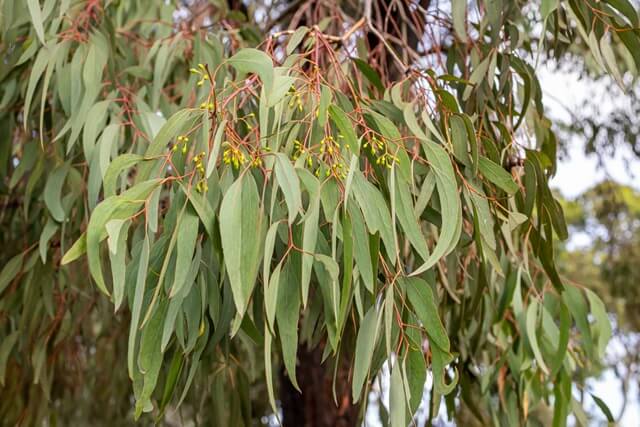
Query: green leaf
<point>117,257</point>
<point>150,358</point>
<point>36,18</point>
<point>296,38</point>
<point>365,345</point>
<point>53,192</point>
<point>240,232</point>
<point>483,212</point>
<point>10,271</point>
<point>532,330</point>
<point>601,323</point>
<point>114,207</point>
<point>289,184</point>
<point>175,369</point>
<point>424,305</point>
<point>47,233</point>
<point>271,296</point>
<point>447,192</point>
<point>361,249</point>
<point>397,401</point>
<point>37,69</point>
<point>268,370</point>
<point>287,314</point>
<point>626,9</point>
<point>478,75</point>
<point>604,408</point>
<point>409,221</point>
<point>369,73</point>
<point>203,208</point>
<point>136,309</point>
<point>217,142</point>
<point>76,250</point>
<point>169,131</point>
<point>610,60</point>
<point>574,300</point>
<point>439,361</point>
<point>563,340</point>
<point>5,350</point>
<point>250,60</point>
<point>108,140</point>
<point>281,86</point>
<point>459,12</point>
<point>416,377</point>
<point>92,74</point>
<point>187,234</point>
<point>547,7</point>
<point>309,240</point>
<point>116,167</point>
<point>345,127</point>
<point>460,139</point>
<point>323,106</point>
<point>94,124</point>
<point>497,175</point>
<point>375,211</point>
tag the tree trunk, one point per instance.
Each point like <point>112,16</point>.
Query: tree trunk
<point>315,406</point>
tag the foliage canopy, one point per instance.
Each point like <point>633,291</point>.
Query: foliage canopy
<point>236,191</point>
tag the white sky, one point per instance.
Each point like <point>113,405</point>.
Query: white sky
<point>565,91</point>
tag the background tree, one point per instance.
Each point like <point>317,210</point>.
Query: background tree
<point>609,215</point>
<point>322,186</point>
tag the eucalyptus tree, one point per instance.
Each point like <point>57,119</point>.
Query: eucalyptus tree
<point>208,210</point>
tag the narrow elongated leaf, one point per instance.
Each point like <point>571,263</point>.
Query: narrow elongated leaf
<point>115,207</point>
<point>397,401</point>
<point>10,271</point>
<point>115,168</point>
<point>408,220</point>
<point>604,408</point>
<point>287,313</point>
<point>288,182</point>
<point>497,175</point>
<point>47,233</point>
<point>459,12</point>
<point>309,239</point>
<point>36,18</point>
<point>53,192</point>
<point>601,324</point>
<point>375,210</point>
<point>365,344</point>
<point>240,232</point>
<point>345,127</point>
<point>421,298</point>
<point>136,309</point>
<point>6,346</point>
<point>531,325</point>
<point>296,38</point>
<point>117,257</point>
<point>447,192</point>
<point>186,244</point>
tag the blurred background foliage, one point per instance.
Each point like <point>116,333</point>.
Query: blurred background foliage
<point>605,256</point>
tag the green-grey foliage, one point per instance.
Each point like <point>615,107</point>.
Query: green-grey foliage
<point>240,193</point>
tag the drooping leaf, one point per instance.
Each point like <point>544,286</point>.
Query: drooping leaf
<point>53,192</point>
<point>288,182</point>
<point>365,344</point>
<point>497,175</point>
<point>421,297</point>
<point>186,244</point>
<point>240,231</point>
